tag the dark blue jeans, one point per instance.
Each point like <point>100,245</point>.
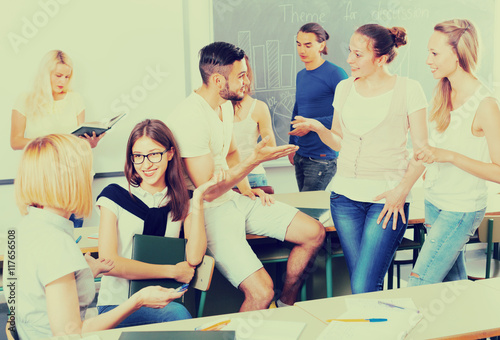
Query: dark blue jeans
<point>313,174</point>
<point>143,316</point>
<point>368,249</point>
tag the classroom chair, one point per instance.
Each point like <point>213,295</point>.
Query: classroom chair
<point>333,249</point>
<point>406,244</point>
<point>11,335</point>
<point>167,250</point>
<point>266,188</point>
<point>489,235</point>
<point>272,251</point>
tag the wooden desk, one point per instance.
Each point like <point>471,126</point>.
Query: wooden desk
<point>312,330</point>
<point>85,244</point>
<point>458,310</point>
<point>493,283</point>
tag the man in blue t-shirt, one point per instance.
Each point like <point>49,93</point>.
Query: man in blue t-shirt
<point>315,163</point>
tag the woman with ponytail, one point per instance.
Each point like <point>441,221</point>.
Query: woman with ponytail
<point>465,153</point>
<point>373,112</point>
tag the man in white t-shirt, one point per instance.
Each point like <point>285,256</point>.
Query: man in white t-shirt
<point>202,125</point>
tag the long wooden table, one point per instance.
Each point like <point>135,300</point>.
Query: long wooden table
<point>451,310</point>
<point>295,314</point>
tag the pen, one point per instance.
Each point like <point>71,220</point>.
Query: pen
<point>358,320</point>
<point>183,287</point>
<point>215,327</point>
<point>79,238</point>
<point>390,305</point>
<point>394,306</point>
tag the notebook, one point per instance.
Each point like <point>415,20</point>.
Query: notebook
<point>178,335</point>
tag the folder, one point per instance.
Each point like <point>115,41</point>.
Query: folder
<point>157,250</point>
<point>167,250</point>
<point>178,335</point>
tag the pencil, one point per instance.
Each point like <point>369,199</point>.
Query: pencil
<point>217,326</point>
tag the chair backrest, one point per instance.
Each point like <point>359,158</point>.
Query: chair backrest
<point>203,275</point>
<point>482,230</point>
<point>11,334</point>
<point>266,188</point>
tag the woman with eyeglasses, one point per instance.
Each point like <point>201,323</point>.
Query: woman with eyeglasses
<point>155,179</point>
<point>53,282</point>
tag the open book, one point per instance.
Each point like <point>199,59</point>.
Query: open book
<point>99,127</point>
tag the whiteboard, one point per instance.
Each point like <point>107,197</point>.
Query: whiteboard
<point>267,33</point>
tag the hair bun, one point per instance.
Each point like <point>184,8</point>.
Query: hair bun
<point>399,34</point>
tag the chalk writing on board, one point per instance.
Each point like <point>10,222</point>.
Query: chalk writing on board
<point>290,14</point>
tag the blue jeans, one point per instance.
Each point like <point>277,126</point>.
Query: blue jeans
<point>313,174</point>
<point>257,180</point>
<point>442,256</point>
<point>368,249</point>
<point>143,316</point>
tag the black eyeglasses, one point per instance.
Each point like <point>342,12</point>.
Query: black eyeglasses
<point>153,157</point>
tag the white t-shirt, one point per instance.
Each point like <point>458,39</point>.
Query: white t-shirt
<point>360,115</point>
<point>62,117</point>
<point>199,131</point>
<point>114,290</point>
<point>45,250</point>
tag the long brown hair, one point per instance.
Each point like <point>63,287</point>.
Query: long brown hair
<point>463,38</point>
<point>174,177</point>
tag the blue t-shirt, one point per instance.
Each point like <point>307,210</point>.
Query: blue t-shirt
<point>313,99</point>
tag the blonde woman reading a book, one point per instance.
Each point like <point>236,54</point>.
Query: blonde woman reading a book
<point>54,283</point>
<point>156,202</point>
<point>51,106</point>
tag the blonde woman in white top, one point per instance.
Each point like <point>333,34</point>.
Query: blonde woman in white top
<point>251,120</point>
<point>465,153</point>
<point>54,284</point>
<point>51,106</point>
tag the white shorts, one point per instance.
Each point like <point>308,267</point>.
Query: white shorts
<point>227,226</point>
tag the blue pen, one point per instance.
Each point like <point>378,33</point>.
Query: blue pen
<point>394,306</point>
<point>182,288</point>
<point>79,238</point>
<point>358,320</point>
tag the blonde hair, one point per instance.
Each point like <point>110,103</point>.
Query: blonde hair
<point>463,39</point>
<point>55,171</point>
<point>40,99</point>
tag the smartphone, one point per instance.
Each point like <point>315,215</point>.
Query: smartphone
<point>182,288</point>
